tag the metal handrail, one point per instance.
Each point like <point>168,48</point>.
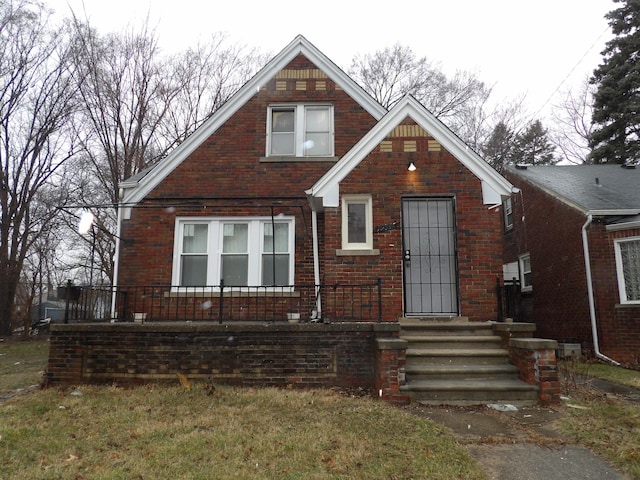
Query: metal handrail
<point>225,303</point>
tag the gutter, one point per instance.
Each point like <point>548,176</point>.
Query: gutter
<point>592,307</point>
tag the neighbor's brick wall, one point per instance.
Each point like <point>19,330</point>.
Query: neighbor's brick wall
<point>305,355</point>
<point>552,233</point>
<point>618,325</point>
<point>560,297</point>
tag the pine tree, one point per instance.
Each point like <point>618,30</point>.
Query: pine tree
<point>616,110</point>
<point>533,147</point>
<point>498,149</point>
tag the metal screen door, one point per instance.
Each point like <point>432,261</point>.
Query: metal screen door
<point>429,251</point>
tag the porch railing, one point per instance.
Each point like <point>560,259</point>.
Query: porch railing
<point>221,303</point>
<point>509,300</point>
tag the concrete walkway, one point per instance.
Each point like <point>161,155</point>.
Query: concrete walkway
<point>525,444</point>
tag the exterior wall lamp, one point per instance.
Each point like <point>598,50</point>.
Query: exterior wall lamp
<point>411,167</point>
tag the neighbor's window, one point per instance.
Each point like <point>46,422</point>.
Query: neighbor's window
<point>241,251</point>
<point>357,222</point>
<point>525,273</point>
<point>508,214</point>
<point>300,130</point>
<point>627,253</point>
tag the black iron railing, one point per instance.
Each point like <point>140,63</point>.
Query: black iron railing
<point>221,303</point>
<point>509,300</point>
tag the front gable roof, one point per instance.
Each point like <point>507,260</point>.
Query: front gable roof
<point>138,187</point>
<point>325,192</point>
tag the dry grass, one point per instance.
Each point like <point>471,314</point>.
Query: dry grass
<point>22,364</point>
<point>169,432</point>
<point>609,427</point>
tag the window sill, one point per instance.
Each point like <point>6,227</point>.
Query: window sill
<point>357,253</point>
<point>233,292</point>
<point>292,158</point>
<point>628,305</point>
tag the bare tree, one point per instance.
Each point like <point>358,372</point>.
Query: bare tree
<point>36,101</point>
<point>136,106</point>
<point>573,125</point>
<point>206,77</point>
<point>389,74</point>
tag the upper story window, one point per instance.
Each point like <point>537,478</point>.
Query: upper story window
<point>628,267</point>
<point>508,214</point>
<point>243,252</point>
<point>300,130</point>
<point>357,222</point>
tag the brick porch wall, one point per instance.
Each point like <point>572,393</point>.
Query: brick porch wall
<point>302,355</point>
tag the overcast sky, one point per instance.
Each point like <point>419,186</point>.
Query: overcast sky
<point>520,47</point>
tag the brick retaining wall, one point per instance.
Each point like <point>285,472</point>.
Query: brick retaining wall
<point>304,355</point>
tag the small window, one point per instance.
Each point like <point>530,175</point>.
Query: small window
<point>525,273</point>
<point>300,131</point>
<point>627,252</point>
<point>508,214</point>
<point>357,222</point>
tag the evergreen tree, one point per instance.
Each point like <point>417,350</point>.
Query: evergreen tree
<point>498,149</point>
<point>616,109</point>
<point>533,147</point>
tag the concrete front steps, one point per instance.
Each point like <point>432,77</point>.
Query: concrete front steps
<point>456,362</point>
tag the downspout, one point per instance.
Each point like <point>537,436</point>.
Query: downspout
<point>592,307</point>
<point>116,262</point>
<point>317,314</point>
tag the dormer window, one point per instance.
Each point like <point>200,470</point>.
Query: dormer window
<point>300,130</point>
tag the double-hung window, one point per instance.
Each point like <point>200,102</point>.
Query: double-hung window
<point>239,251</point>
<point>300,130</point>
<point>508,214</point>
<point>627,252</point>
<point>357,222</point>
<point>526,283</point>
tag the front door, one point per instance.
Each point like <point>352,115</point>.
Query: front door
<point>430,263</point>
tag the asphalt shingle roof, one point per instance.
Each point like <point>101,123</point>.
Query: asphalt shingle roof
<point>590,187</point>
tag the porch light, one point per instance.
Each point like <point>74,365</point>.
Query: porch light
<point>411,167</point>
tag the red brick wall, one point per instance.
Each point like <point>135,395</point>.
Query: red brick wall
<point>618,325</point>
<point>438,174</point>
<point>552,233</point>
<point>308,356</point>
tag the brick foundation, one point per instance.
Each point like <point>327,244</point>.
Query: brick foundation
<point>302,355</point>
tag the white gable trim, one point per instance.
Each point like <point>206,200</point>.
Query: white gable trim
<point>494,186</point>
<point>135,192</point>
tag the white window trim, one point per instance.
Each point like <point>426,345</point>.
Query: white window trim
<point>368,244</point>
<point>214,250</point>
<point>300,129</point>
<point>521,260</point>
<point>508,214</point>
<point>622,288</point>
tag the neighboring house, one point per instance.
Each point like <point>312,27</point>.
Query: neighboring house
<point>572,237</point>
<point>303,178</point>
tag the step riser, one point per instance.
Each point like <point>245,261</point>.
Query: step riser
<point>426,377</point>
<point>453,360</point>
<point>485,396</point>
<point>452,344</point>
<point>408,331</point>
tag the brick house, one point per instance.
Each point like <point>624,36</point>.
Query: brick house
<point>303,198</point>
<point>304,152</point>
<point>572,237</point>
